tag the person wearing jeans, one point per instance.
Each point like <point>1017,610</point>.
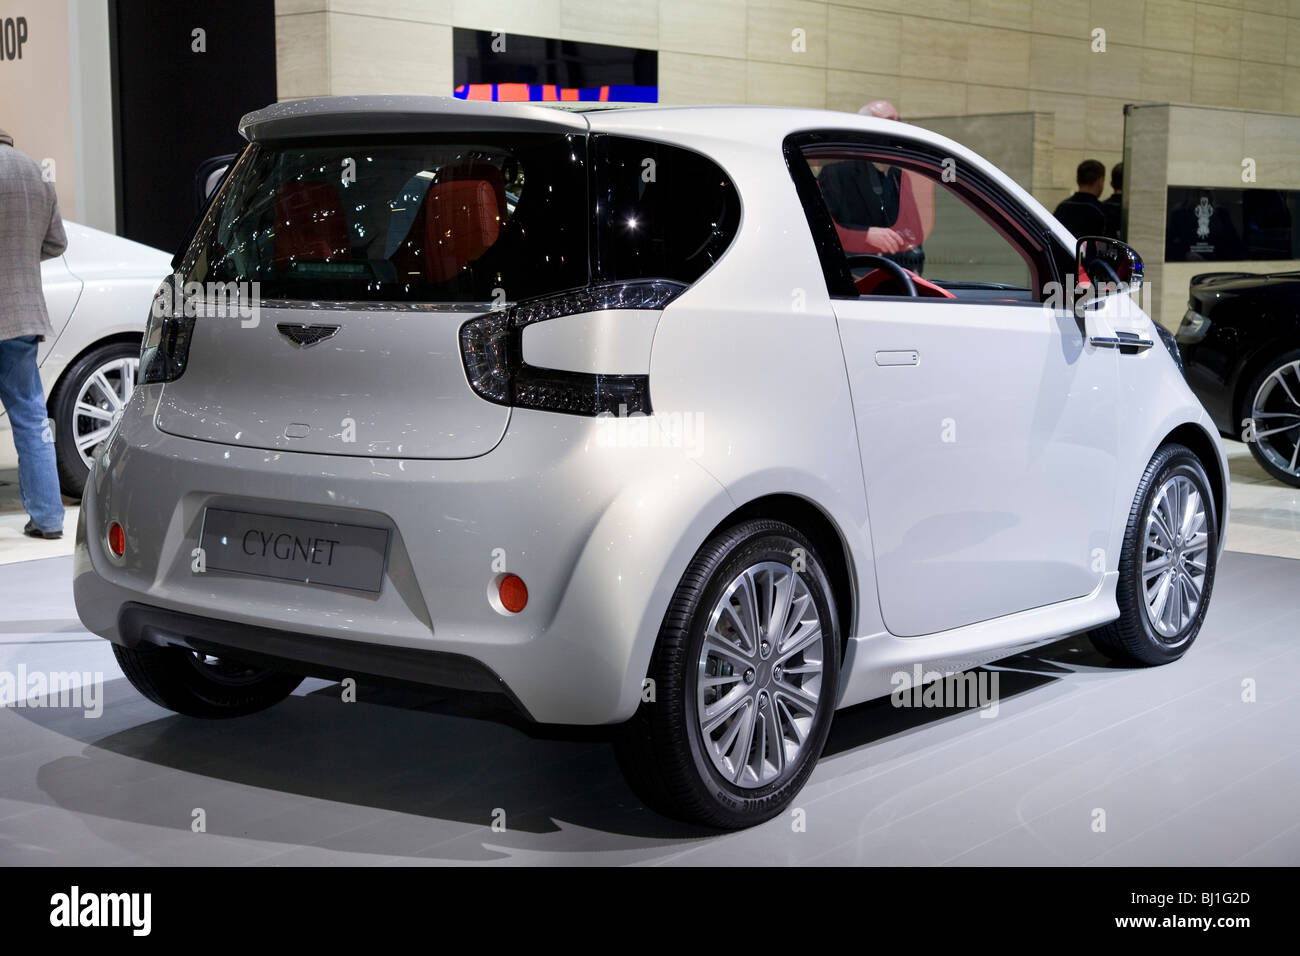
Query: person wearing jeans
<point>31,229</point>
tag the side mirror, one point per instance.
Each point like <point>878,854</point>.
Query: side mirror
<point>1109,265</point>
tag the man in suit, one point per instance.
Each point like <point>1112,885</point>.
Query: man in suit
<point>31,230</point>
<point>1083,213</point>
<point>869,198</point>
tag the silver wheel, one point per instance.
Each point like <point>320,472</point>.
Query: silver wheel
<point>1176,551</point>
<point>759,675</point>
<point>1276,416</point>
<point>103,395</point>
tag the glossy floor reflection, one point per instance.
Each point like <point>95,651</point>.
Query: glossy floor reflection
<point>1185,771</point>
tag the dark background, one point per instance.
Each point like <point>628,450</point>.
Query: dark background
<point>1246,224</point>
<point>173,108</point>
<point>530,59</point>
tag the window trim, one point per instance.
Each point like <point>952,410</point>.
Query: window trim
<point>974,187</point>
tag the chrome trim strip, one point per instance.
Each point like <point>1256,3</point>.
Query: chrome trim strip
<point>303,305</point>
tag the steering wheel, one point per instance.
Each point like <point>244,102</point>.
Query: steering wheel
<point>1103,269</point>
<point>890,266</point>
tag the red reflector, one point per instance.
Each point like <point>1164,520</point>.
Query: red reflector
<point>117,539</point>
<point>513,593</point>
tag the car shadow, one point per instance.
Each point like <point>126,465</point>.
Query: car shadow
<point>311,771</point>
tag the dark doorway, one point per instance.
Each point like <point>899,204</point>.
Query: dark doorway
<point>175,106</point>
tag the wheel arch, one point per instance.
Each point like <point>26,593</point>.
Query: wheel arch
<point>1202,445</point>
<point>113,339</point>
<point>1254,363</point>
<point>821,530</point>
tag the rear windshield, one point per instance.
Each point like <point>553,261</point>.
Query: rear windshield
<point>487,219</point>
<point>475,219</point>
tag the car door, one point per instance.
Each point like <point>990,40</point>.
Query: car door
<point>62,290</point>
<point>986,427</point>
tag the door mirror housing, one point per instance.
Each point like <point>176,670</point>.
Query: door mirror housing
<point>1109,265</point>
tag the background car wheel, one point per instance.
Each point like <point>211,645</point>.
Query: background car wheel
<point>199,685</point>
<point>87,402</point>
<point>746,674</point>
<point>1167,565</point>
<point>1273,404</point>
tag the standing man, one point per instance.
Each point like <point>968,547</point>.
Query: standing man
<point>877,208</point>
<point>1083,214</point>
<point>1114,203</point>
<point>31,230</point>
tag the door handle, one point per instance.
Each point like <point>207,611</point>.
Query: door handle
<point>1129,343</point>
<point>899,357</point>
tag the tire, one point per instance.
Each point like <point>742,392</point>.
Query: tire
<point>1143,635</point>
<point>199,686</point>
<point>1275,453</point>
<point>669,759</point>
<point>62,407</point>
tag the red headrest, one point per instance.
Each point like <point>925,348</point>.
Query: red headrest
<point>461,222</point>
<point>309,224</point>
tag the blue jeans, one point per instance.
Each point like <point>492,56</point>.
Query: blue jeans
<point>24,401</point>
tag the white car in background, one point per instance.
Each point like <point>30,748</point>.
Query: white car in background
<point>98,294</point>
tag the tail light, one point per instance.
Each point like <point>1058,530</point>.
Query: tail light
<point>492,350</point>
<point>166,345</point>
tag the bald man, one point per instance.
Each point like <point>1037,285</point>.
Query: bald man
<point>880,209</point>
<point>881,109</point>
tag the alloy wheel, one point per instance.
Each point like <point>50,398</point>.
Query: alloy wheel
<point>1176,549</point>
<point>103,395</point>
<point>1276,416</point>
<point>759,675</point>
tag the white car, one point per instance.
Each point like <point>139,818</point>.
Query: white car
<point>643,446</point>
<point>98,294</point>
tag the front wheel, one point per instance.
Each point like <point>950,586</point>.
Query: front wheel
<point>1166,565</point>
<point>744,676</point>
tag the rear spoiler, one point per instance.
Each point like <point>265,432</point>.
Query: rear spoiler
<point>364,115</point>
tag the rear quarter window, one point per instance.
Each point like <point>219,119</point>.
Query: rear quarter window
<point>660,211</point>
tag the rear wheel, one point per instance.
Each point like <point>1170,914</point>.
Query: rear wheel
<point>745,677</point>
<point>86,404</point>
<point>1167,565</point>
<point>200,685</point>
<point>1274,410</point>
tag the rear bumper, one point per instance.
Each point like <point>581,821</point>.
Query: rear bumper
<point>601,536</point>
<point>307,654</point>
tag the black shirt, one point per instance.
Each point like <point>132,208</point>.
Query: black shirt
<point>859,196</point>
<point>1113,206</point>
<point>1083,214</point>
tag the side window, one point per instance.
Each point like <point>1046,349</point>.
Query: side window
<point>901,209</point>
<point>661,211</point>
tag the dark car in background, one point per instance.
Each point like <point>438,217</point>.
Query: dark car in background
<point>1240,341</point>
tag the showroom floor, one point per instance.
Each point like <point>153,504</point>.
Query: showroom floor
<point>1179,766</point>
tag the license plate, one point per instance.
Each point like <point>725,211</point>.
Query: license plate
<point>292,549</point>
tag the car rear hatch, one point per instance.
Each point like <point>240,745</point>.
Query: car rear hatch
<point>326,287</point>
